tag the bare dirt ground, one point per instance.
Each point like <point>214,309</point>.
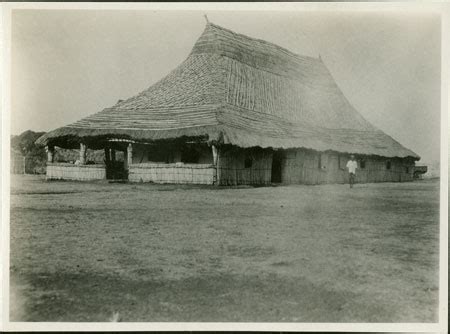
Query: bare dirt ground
<point>86,251</point>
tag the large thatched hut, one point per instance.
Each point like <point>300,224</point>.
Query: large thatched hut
<point>238,110</point>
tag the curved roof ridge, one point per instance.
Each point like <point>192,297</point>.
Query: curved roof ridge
<point>256,53</point>
<point>266,43</point>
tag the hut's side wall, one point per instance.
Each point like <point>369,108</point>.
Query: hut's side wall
<point>233,170</point>
<point>376,171</point>
<point>310,167</point>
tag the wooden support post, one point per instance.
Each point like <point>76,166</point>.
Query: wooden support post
<point>129,154</point>
<point>216,162</point>
<point>82,154</point>
<point>215,154</point>
<point>113,155</point>
<point>107,162</point>
<point>50,153</point>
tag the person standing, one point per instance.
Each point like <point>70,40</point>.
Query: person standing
<point>352,165</point>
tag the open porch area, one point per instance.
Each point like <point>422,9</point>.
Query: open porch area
<point>176,161</point>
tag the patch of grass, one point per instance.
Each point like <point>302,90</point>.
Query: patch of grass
<point>147,252</point>
<point>282,263</point>
<point>217,298</point>
<point>250,251</point>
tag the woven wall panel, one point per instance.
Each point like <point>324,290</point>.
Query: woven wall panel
<point>76,173</point>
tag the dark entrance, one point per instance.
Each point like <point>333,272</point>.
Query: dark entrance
<point>276,166</point>
<point>115,169</point>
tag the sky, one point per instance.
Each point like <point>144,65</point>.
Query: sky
<point>68,64</point>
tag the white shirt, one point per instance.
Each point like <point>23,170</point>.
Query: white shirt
<point>352,165</point>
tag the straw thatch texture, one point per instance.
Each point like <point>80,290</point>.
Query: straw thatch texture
<point>241,91</point>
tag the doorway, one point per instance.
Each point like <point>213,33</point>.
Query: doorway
<point>115,165</point>
<point>277,157</point>
<point>115,170</point>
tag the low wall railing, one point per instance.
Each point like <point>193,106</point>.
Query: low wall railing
<point>68,171</point>
<point>172,173</point>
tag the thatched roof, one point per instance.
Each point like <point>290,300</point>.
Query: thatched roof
<point>241,91</point>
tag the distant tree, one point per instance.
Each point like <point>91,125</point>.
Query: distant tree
<point>35,155</point>
<point>25,142</point>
